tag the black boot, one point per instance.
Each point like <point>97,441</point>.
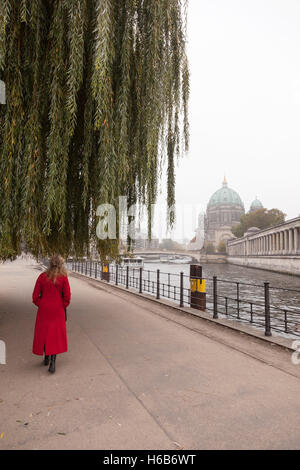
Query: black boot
<point>46,360</point>
<point>52,363</point>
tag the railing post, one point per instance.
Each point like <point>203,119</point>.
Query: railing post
<point>127,277</point>
<point>117,269</point>
<point>90,268</point>
<point>86,267</point>
<point>157,285</point>
<point>267,310</point>
<point>141,281</point>
<point>96,267</point>
<point>215,296</point>
<point>238,299</point>
<point>181,289</point>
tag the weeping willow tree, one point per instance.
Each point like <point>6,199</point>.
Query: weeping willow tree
<point>96,105</point>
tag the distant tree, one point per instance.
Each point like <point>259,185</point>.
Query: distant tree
<point>210,248</point>
<point>262,218</point>
<point>222,247</point>
<point>168,244</point>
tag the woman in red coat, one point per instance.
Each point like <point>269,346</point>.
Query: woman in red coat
<point>52,295</point>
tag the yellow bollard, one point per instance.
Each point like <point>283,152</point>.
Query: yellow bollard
<point>105,272</point>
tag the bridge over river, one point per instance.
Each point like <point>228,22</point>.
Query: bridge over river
<point>139,375</point>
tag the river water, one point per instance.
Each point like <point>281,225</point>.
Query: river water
<point>240,291</point>
<point>236,282</point>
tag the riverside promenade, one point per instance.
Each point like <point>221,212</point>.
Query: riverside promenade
<point>139,375</point>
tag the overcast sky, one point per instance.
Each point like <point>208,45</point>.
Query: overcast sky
<point>244,60</point>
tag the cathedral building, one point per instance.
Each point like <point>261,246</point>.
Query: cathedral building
<point>256,205</point>
<point>224,210</point>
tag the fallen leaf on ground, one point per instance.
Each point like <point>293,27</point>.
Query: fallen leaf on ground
<point>1,435</point>
<point>178,445</point>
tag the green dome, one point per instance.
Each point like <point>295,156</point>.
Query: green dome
<point>256,204</point>
<point>225,197</point>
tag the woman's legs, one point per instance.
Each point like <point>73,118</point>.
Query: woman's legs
<point>52,363</point>
<point>46,360</point>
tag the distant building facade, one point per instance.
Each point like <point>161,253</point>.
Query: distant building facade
<point>224,211</point>
<point>256,205</point>
<point>141,242</point>
<point>198,241</point>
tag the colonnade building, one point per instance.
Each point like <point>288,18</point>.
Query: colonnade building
<point>282,239</point>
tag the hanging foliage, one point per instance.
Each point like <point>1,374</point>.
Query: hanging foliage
<point>96,99</point>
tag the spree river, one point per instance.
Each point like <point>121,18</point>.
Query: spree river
<point>240,292</point>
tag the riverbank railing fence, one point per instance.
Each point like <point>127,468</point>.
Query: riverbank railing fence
<point>257,304</point>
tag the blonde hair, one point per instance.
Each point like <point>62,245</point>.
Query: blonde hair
<point>56,267</point>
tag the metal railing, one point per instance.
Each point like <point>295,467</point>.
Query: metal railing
<point>257,304</point>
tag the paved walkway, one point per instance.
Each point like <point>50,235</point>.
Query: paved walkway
<point>139,376</point>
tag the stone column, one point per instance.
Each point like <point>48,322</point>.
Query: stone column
<point>296,241</point>
<point>272,243</point>
<point>278,243</point>
<point>286,242</point>
<point>290,241</point>
<point>281,248</point>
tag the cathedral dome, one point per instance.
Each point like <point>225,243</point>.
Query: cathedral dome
<point>225,196</point>
<point>256,204</point>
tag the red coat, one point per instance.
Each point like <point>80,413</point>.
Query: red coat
<point>50,326</point>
